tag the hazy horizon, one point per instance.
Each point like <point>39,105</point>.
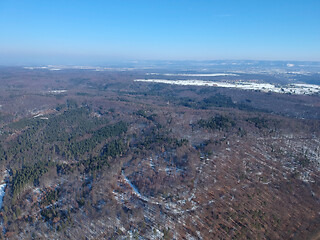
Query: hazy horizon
<point>114,63</point>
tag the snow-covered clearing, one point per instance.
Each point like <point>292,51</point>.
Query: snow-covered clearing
<point>195,74</point>
<point>57,91</point>
<point>264,87</point>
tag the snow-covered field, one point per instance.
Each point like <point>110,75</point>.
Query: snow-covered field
<point>57,91</point>
<point>195,75</point>
<point>264,87</point>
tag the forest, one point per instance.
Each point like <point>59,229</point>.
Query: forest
<point>95,155</point>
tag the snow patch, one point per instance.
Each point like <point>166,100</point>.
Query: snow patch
<point>57,91</point>
<point>3,186</point>
<point>264,87</point>
<point>2,193</point>
<point>195,74</point>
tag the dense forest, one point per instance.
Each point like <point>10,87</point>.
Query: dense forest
<point>94,155</point>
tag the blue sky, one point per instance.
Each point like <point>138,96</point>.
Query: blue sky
<point>73,31</point>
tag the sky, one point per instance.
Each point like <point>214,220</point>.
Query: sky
<point>97,31</point>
